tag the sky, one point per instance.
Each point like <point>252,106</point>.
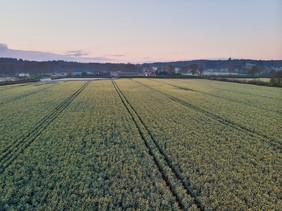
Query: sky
<point>139,31</point>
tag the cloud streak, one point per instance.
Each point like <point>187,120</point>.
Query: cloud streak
<point>75,55</point>
<point>78,53</point>
<point>117,55</point>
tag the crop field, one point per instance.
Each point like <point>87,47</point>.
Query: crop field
<point>145,144</point>
<point>256,79</point>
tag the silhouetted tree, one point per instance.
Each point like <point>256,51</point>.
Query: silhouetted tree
<point>170,68</point>
<point>201,70</point>
<point>276,79</point>
<point>184,69</point>
<point>193,68</point>
<point>234,68</point>
<point>254,70</point>
<point>161,71</point>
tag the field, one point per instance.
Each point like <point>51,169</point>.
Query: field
<point>256,79</point>
<point>146,144</point>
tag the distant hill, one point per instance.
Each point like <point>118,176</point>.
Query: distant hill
<point>236,65</point>
<point>11,66</point>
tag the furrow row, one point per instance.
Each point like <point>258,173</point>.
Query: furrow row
<point>18,146</point>
<point>161,159</point>
<point>271,141</point>
<point>26,95</point>
<point>216,96</point>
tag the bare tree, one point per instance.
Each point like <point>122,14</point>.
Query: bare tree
<point>193,68</point>
<point>254,70</point>
<point>170,68</point>
<point>201,70</point>
<point>276,79</point>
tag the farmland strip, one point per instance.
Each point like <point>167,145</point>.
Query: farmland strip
<point>225,98</point>
<point>12,86</point>
<point>239,127</point>
<point>164,156</point>
<point>247,93</point>
<point>26,95</point>
<point>13,150</point>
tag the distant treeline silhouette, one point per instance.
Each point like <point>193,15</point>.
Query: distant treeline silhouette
<point>11,66</point>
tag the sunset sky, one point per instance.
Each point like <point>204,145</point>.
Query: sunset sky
<point>140,31</point>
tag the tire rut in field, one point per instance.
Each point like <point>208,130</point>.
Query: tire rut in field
<point>224,98</point>
<point>166,160</point>
<point>26,95</point>
<point>12,86</point>
<point>274,143</point>
<point>13,150</point>
<point>244,93</point>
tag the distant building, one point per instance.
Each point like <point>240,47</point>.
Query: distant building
<point>24,74</point>
<point>147,74</point>
<point>8,79</point>
<point>128,74</point>
<point>178,70</point>
<point>114,74</point>
<point>58,75</point>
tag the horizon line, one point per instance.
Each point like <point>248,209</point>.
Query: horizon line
<point>137,63</point>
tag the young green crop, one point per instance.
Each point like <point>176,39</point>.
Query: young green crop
<point>229,166</point>
<point>91,156</point>
<point>146,144</point>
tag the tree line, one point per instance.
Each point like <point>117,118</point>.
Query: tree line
<point>12,66</point>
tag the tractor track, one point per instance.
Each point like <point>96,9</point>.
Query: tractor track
<point>26,95</point>
<point>166,160</point>
<point>12,86</point>
<point>216,96</point>
<point>244,93</point>
<point>17,147</point>
<point>274,143</point>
